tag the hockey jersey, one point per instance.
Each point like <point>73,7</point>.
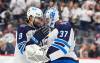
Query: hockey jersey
<point>63,42</point>
<point>22,36</point>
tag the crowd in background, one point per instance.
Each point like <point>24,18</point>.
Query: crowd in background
<point>84,15</point>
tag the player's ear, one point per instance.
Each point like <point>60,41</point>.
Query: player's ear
<point>27,20</point>
<point>30,17</point>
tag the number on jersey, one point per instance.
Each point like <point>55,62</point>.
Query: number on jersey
<point>63,33</point>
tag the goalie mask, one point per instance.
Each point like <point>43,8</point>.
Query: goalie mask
<point>35,17</point>
<point>51,16</point>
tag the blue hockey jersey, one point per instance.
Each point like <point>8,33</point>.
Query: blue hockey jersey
<point>64,41</point>
<point>21,36</point>
<point>64,29</point>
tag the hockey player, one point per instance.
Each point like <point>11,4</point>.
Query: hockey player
<point>61,50</point>
<point>29,34</point>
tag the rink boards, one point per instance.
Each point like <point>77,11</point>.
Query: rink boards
<point>10,59</point>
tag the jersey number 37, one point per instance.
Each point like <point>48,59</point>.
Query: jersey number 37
<point>63,33</point>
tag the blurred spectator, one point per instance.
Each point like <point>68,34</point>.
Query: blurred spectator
<point>77,46</point>
<point>85,18</point>
<point>52,4</point>
<point>66,11</point>
<point>36,3</point>
<point>75,14</point>
<point>62,5</point>
<point>96,17</point>
<point>6,48</point>
<point>9,29</point>
<point>18,8</point>
<point>1,34</point>
<point>98,43</point>
<point>83,52</point>
<point>7,1</point>
<point>3,7</point>
<point>98,1</point>
<point>93,52</point>
<point>21,21</point>
<point>97,39</point>
<point>6,17</point>
<point>49,4</point>
<point>1,45</point>
<point>7,40</point>
<point>10,34</point>
<point>89,3</point>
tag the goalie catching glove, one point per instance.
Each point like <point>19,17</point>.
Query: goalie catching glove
<point>40,34</point>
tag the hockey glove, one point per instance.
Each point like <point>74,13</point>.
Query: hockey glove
<point>40,34</point>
